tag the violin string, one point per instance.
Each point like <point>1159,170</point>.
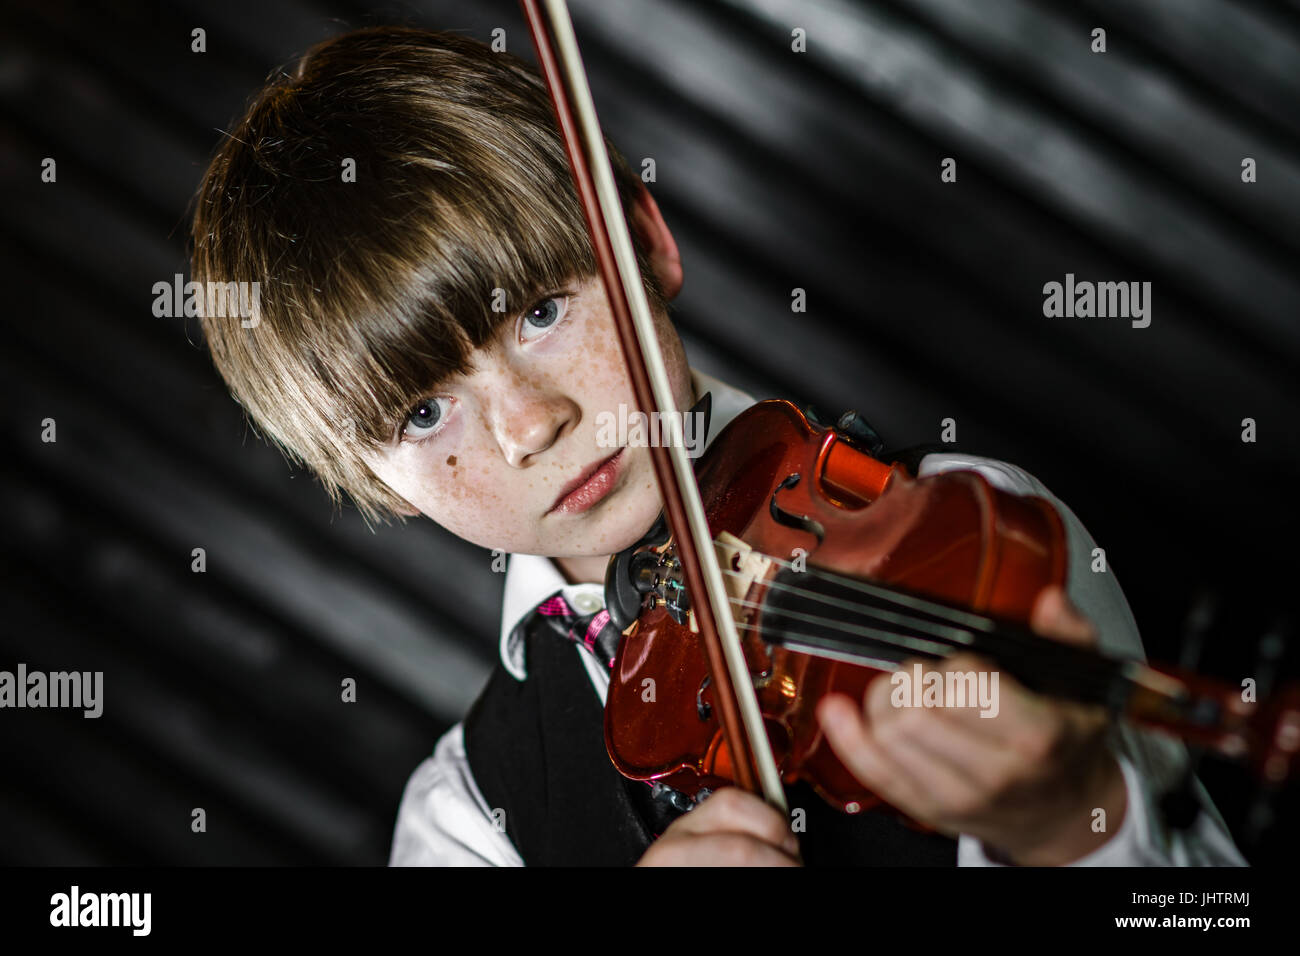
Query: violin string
<point>954,635</point>
<point>947,637</point>
<point>970,619</point>
<point>957,617</point>
<point>1085,684</point>
<point>809,646</point>
<point>1067,673</point>
<point>887,638</point>
<point>988,626</point>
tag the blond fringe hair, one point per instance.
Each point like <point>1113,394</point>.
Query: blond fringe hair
<point>373,291</point>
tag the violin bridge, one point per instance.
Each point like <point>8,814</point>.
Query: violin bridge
<point>741,566</point>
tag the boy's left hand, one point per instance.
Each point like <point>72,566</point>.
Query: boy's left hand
<point>1025,782</point>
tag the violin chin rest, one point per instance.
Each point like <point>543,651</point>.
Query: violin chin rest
<point>623,598</point>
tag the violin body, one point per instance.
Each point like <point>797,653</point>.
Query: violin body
<point>788,489</point>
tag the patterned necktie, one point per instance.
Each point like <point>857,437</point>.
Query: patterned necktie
<point>593,631</point>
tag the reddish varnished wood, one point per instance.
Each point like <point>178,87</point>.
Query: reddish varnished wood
<point>951,536</point>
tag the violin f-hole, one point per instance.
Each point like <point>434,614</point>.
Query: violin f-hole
<point>703,709</point>
<point>789,518</point>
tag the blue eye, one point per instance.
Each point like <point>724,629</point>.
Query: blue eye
<point>425,418</point>
<point>543,316</point>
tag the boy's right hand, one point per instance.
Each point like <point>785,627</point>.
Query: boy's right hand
<point>729,828</point>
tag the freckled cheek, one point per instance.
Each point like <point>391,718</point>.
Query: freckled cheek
<point>679,372</point>
<point>459,489</point>
<point>605,376</point>
<point>477,505</point>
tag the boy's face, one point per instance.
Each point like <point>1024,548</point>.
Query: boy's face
<point>491,454</point>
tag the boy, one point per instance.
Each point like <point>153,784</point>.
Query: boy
<point>433,339</point>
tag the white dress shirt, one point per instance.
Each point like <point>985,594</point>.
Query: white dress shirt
<point>443,819</point>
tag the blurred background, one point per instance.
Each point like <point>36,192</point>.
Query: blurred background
<point>775,170</point>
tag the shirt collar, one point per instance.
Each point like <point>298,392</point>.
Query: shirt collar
<point>531,578</point>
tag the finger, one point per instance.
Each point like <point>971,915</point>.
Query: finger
<point>736,849</point>
<point>970,748</point>
<point>950,755</point>
<point>988,729</point>
<point>982,686</point>
<point>950,768</point>
<point>1000,709</point>
<point>852,741</point>
<point>1034,730</point>
<point>1054,615</point>
<point>733,810</point>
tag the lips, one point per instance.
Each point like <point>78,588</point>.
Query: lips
<point>593,484</point>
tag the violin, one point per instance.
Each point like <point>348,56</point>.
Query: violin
<point>791,563</point>
<point>839,568</point>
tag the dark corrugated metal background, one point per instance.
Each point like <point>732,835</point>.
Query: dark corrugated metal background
<point>775,170</point>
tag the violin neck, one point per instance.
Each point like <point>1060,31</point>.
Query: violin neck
<point>804,611</point>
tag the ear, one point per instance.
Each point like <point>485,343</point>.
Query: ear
<point>650,228</point>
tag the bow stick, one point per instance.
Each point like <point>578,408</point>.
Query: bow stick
<point>742,722</point>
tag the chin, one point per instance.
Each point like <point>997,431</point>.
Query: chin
<point>633,524</point>
<point>630,534</point>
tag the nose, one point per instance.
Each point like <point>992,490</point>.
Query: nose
<point>526,418</point>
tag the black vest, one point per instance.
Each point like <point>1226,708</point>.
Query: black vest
<point>537,751</point>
